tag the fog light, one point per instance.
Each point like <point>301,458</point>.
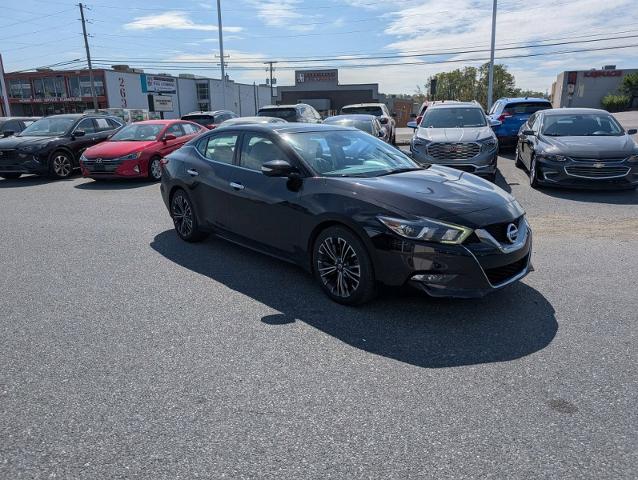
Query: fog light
<point>433,277</point>
<point>136,169</point>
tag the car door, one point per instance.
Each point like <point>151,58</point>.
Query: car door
<point>208,175</point>
<point>169,146</point>
<point>79,143</point>
<point>264,209</point>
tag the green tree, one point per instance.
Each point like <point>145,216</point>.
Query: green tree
<point>629,87</point>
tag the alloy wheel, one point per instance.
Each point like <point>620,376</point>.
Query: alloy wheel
<point>62,165</point>
<point>155,169</point>
<point>338,266</point>
<point>182,215</point>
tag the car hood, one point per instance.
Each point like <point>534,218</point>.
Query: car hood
<point>454,134</point>
<point>591,147</point>
<point>437,192</point>
<point>116,149</point>
<point>15,141</point>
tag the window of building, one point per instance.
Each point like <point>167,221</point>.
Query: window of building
<point>85,86</point>
<point>38,88</point>
<point>202,91</point>
<point>19,88</point>
<point>74,87</point>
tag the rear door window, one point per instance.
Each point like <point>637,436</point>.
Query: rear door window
<point>102,125</point>
<point>175,129</point>
<point>526,108</point>
<point>86,125</point>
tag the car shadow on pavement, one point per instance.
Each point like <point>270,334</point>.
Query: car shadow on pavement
<point>114,184</point>
<point>613,197</point>
<point>29,181</point>
<point>402,324</point>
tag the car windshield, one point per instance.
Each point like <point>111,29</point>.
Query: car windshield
<point>453,118</point>
<point>349,153</point>
<point>371,110</point>
<point>137,133</point>
<point>200,119</point>
<point>581,125</point>
<point>363,125</point>
<point>48,127</point>
<point>288,114</point>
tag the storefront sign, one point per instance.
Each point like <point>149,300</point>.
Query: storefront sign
<point>603,73</point>
<point>162,103</point>
<point>54,99</point>
<point>306,76</point>
<point>159,84</point>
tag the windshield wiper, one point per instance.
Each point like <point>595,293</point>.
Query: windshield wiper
<point>400,170</point>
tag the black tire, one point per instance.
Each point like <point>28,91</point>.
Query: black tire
<point>60,165</point>
<point>533,174</point>
<point>154,169</point>
<point>342,266</point>
<point>517,159</point>
<point>10,175</point>
<point>184,218</point>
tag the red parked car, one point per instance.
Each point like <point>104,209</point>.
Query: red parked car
<point>136,149</point>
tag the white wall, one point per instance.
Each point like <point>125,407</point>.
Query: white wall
<point>187,95</point>
<point>124,90</point>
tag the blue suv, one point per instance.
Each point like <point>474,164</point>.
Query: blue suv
<point>513,113</point>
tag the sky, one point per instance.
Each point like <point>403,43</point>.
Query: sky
<point>418,38</point>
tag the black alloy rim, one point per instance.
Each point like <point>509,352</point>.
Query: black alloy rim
<point>338,266</point>
<point>182,215</point>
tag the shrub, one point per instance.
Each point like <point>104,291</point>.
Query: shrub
<point>615,103</point>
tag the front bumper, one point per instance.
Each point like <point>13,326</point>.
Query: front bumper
<point>587,174</point>
<point>12,161</point>
<point>114,168</point>
<point>463,271</point>
<point>483,164</point>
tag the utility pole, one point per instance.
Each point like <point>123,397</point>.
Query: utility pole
<point>255,96</point>
<point>88,58</point>
<point>221,50</point>
<point>270,70</point>
<point>490,84</point>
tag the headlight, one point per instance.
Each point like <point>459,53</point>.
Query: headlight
<point>488,144</point>
<point>427,230</point>
<point>131,156</point>
<point>82,158</point>
<point>633,158</point>
<point>552,158</point>
<point>420,142</point>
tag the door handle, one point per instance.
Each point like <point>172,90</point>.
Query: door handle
<point>236,186</point>
<point>192,172</point>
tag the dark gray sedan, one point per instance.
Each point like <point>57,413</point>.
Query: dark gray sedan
<point>366,123</point>
<point>577,147</point>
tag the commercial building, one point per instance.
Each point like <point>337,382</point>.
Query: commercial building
<point>586,88</point>
<point>47,92</point>
<point>322,90</point>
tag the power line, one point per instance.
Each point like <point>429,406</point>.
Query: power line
<point>39,17</point>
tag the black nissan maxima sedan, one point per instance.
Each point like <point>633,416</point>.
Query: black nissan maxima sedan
<point>577,147</point>
<point>349,208</point>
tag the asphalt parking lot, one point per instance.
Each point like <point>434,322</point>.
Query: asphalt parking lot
<point>127,353</point>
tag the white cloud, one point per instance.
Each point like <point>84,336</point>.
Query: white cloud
<point>282,13</point>
<point>174,20</point>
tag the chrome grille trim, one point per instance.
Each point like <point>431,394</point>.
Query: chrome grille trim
<point>601,173</point>
<point>453,150</point>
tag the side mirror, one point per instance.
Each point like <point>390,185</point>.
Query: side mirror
<point>632,131</point>
<point>8,133</point>
<point>168,137</point>
<point>277,168</point>
<point>79,133</point>
<point>381,133</point>
<point>495,123</point>
<point>528,133</point>
<point>412,125</point>
<point>383,120</point>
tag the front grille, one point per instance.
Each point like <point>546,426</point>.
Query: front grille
<point>8,156</point>
<point>106,166</point>
<point>593,172</point>
<point>502,274</point>
<point>590,160</point>
<point>453,151</point>
<point>499,230</point>
<point>464,168</point>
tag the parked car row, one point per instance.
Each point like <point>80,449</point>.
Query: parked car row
<point>564,147</point>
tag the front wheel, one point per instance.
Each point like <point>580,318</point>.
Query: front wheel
<point>533,173</point>
<point>154,169</point>
<point>342,267</point>
<point>10,175</point>
<point>61,165</point>
<point>184,218</point>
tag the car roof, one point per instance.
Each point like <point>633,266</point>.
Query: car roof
<point>455,104</point>
<point>558,111</point>
<point>166,121</point>
<point>4,119</point>
<point>283,128</point>
<point>371,104</point>
<point>263,119</point>
<point>273,107</point>
<point>352,116</point>
<point>523,99</point>
<point>208,112</point>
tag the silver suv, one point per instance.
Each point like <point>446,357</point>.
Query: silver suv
<point>457,135</point>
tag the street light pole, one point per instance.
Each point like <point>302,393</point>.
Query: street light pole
<point>221,50</point>
<point>490,84</point>
<point>88,58</point>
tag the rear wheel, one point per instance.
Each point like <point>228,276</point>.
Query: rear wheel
<point>10,175</point>
<point>60,165</point>
<point>154,169</point>
<point>343,267</point>
<point>184,218</point>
